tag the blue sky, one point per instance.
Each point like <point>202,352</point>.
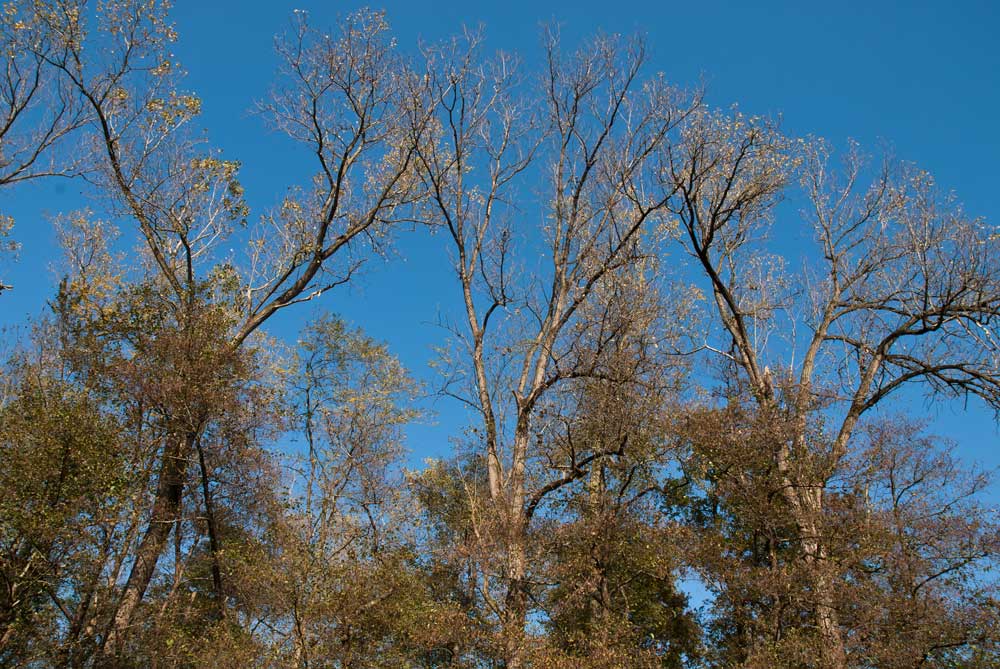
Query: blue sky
<point>922,77</point>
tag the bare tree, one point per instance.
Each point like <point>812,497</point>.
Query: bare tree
<point>592,133</point>
<point>909,292</point>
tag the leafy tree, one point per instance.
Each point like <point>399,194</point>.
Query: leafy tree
<point>184,200</point>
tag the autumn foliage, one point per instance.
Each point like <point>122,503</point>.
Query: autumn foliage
<point>682,451</point>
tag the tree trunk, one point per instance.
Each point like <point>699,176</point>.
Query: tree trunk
<point>516,601</point>
<point>833,652</point>
<point>600,599</point>
<point>515,609</point>
<point>213,534</point>
<point>166,511</point>
<point>806,504</point>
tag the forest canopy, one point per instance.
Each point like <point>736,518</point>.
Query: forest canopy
<point>660,401</point>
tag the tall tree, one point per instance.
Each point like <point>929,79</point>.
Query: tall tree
<point>906,289</point>
<point>341,96</point>
<point>591,131</point>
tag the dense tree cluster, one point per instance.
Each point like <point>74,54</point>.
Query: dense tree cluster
<point>662,399</point>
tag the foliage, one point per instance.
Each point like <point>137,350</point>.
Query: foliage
<point>663,401</point>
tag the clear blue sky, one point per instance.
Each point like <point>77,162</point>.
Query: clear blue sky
<point>924,77</point>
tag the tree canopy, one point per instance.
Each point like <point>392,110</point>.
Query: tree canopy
<point>657,395</point>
